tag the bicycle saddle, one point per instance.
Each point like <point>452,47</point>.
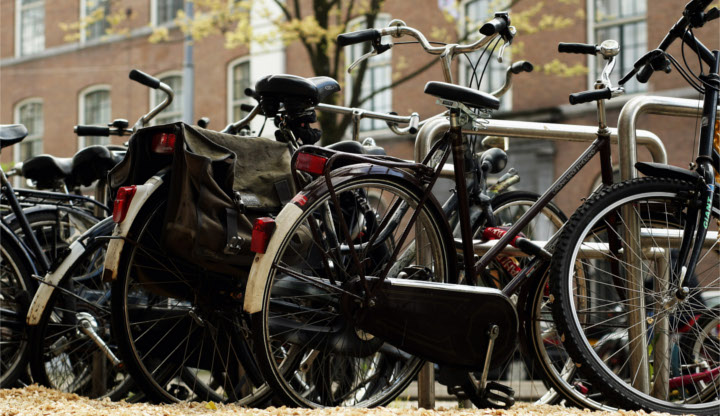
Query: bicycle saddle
<point>291,87</point>
<point>11,134</point>
<point>468,96</point>
<point>92,163</point>
<point>47,170</point>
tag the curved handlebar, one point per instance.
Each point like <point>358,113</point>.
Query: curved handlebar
<point>82,130</point>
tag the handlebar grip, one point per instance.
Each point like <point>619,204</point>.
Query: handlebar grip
<point>588,96</point>
<point>583,48</point>
<point>81,130</point>
<point>645,73</point>
<point>414,121</point>
<point>496,25</point>
<point>360,36</point>
<point>521,66</point>
<point>144,79</point>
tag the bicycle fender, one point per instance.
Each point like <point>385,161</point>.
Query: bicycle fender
<point>117,241</point>
<point>52,279</point>
<point>260,269</point>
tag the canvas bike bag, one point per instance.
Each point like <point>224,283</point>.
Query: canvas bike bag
<point>219,184</point>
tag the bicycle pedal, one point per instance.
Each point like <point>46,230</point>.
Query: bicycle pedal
<point>497,396</point>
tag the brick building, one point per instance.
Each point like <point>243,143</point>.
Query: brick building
<point>51,84</point>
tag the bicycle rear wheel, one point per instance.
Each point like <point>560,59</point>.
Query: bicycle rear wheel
<point>628,350</point>
<point>306,342</point>
<point>180,328</point>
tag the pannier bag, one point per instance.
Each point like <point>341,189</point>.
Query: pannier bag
<point>219,184</point>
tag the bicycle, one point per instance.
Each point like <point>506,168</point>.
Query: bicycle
<point>643,241</point>
<point>338,253</point>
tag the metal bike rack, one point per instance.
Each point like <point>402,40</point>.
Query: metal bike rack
<point>626,136</point>
<point>627,123</point>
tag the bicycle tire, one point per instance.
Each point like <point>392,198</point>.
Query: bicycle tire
<point>62,356</point>
<point>660,206</point>
<point>701,341</point>
<point>181,367</point>
<point>16,288</point>
<point>343,366</point>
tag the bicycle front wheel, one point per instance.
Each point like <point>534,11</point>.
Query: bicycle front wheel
<point>623,325</point>
<point>307,345</point>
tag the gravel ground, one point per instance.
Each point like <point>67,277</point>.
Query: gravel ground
<point>36,401</point>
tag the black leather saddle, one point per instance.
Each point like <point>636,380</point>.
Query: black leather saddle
<point>47,170</point>
<point>11,134</point>
<point>93,163</point>
<point>292,87</point>
<point>468,96</point>
<point>357,148</point>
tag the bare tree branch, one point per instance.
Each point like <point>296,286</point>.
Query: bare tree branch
<point>399,81</point>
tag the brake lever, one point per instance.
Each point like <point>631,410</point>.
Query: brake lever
<point>377,49</point>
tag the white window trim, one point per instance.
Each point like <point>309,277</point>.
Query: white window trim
<point>81,106</point>
<point>83,15</point>
<point>348,77</point>
<point>154,16</point>
<point>18,28</point>
<point>16,118</point>
<point>592,27</point>
<point>462,62</point>
<point>160,76</point>
<point>230,78</point>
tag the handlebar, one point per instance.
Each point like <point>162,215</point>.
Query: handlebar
<point>359,36</point>
<point>144,79</point>
<point>693,16</point>
<point>154,83</point>
<point>588,96</point>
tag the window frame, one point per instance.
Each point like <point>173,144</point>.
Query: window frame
<point>154,14</point>
<point>593,27</point>
<point>359,23</point>
<point>81,107</point>
<point>231,100</point>
<point>83,15</point>
<point>177,98</point>
<point>506,101</point>
<point>19,28</point>
<point>30,137</point>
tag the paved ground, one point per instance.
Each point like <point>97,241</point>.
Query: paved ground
<point>39,401</point>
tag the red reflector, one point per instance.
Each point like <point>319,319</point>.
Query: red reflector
<point>163,143</point>
<point>310,163</point>
<point>262,231</point>
<point>122,202</point>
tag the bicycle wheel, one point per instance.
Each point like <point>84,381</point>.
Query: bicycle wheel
<point>64,356</point>
<point>179,327</point>
<point>630,352</point>
<point>16,288</point>
<point>309,349</point>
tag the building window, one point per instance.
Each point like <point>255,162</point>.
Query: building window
<point>30,32</point>
<point>95,110</point>
<point>164,11</point>
<point>30,114</point>
<point>377,76</point>
<point>95,12</point>
<point>239,75</point>
<point>481,68</point>
<point>625,22</point>
<point>173,112</point>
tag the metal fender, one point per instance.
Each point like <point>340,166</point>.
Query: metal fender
<point>260,269</point>
<point>52,279</point>
<point>117,241</point>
